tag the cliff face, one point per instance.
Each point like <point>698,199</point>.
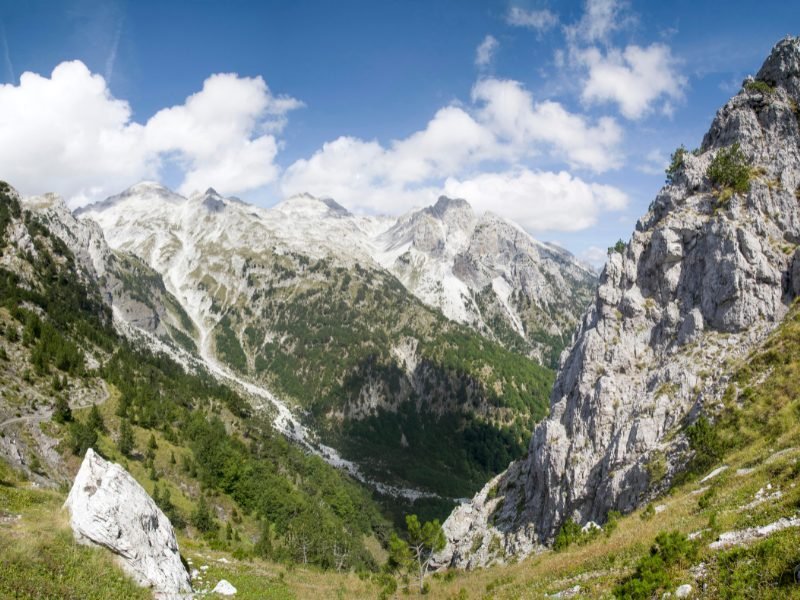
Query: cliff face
<point>706,275</point>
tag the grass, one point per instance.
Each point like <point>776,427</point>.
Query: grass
<point>40,558</point>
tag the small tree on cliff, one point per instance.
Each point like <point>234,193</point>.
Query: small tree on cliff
<point>424,540</point>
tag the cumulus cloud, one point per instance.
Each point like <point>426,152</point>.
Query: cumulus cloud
<point>509,111</point>
<point>503,126</point>
<point>634,78</point>
<point>539,201</point>
<point>484,53</point>
<point>68,134</point>
<point>538,20</point>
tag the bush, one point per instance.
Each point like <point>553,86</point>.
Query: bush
<point>652,571</point>
<point>572,533</point>
<point>675,163</point>
<point>761,87</point>
<point>618,247</point>
<point>62,413</point>
<point>729,169</point>
<point>708,447</point>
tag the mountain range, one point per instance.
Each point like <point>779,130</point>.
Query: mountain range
<point>394,346</point>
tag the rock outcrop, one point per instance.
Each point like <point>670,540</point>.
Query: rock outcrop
<point>705,276</point>
<point>109,508</point>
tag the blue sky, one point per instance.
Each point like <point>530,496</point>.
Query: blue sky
<point>560,115</point>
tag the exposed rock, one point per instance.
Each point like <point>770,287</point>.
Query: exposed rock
<point>745,536</point>
<point>702,281</point>
<point>109,508</point>
<point>133,289</point>
<point>683,591</point>
<point>224,588</point>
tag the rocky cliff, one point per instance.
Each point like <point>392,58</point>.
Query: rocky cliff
<point>709,271</point>
<point>130,287</point>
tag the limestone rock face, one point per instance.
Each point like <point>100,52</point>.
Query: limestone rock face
<point>109,508</point>
<point>136,293</point>
<point>702,280</point>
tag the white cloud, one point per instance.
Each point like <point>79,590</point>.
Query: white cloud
<point>539,201</point>
<point>502,127</point>
<point>595,256</point>
<point>214,134</point>
<point>509,111</point>
<point>68,134</point>
<point>538,20</point>
<point>634,78</point>
<point>599,20</point>
<point>484,53</point>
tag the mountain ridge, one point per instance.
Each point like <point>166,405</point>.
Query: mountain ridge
<point>709,271</point>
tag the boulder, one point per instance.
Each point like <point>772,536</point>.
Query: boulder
<point>109,508</point>
<point>224,588</point>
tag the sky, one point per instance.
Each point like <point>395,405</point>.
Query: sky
<point>558,115</point>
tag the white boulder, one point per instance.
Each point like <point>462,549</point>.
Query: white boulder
<point>224,588</point>
<point>109,508</point>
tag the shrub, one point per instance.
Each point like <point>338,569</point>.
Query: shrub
<point>707,445</point>
<point>618,247</point>
<point>729,169</point>
<point>652,571</point>
<point>759,86</point>
<point>675,163</point>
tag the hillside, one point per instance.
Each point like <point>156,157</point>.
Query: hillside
<point>745,475</point>
<point>295,298</point>
<point>69,381</point>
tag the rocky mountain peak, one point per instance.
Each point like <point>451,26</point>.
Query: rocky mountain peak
<point>311,206</point>
<point>782,68</point>
<point>708,273</point>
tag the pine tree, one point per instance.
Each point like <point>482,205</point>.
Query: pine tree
<point>95,420</point>
<point>62,413</point>
<point>125,442</point>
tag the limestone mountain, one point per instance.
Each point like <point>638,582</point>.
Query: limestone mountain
<point>710,270</point>
<point>303,298</point>
<point>489,273</point>
<point>134,291</point>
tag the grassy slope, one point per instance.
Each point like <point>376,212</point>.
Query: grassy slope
<point>757,436</point>
<point>759,429</point>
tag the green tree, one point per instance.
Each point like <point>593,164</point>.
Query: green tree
<point>424,540</point>
<point>202,518</point>
<point>82,437</point>
<point>62,413</point>
<point>675,163</point>
<point>263,546</point>
<point>95,420</point>
<point>125,442</point>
